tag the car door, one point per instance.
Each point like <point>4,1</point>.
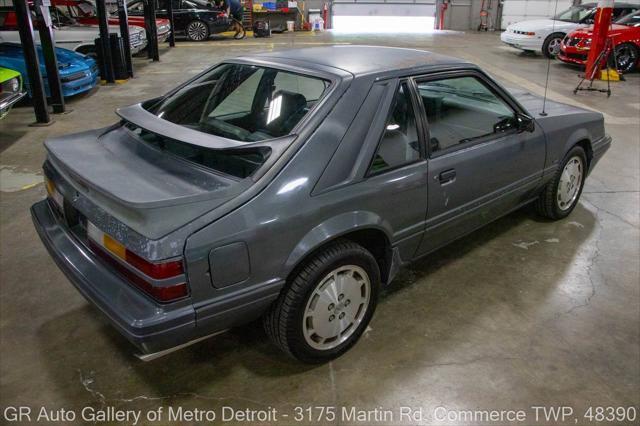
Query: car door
<point>395,182</point>
<point>482,163</point>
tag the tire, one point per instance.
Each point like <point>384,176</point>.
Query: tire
<point>298,322</point>
<point>197,31</point>
<point>626,56</point>
<point>562,193</point>
<point>551,45</point>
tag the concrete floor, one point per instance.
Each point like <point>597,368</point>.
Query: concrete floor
<point>521,313</point>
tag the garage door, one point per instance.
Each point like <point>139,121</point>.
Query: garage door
<point>526,10</point>
<point>383,15</point>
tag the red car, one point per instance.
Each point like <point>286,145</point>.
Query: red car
<point>84,12</point>
<point>625,34</point>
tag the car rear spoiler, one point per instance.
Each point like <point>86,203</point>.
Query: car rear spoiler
<point>141,117</point>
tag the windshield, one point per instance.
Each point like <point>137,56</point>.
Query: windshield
<point>243,102</point>
<point>574,14</point>
<point>631,20</point>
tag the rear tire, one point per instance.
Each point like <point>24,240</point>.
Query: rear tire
<point>551,45</point>
<point>197,31</point>
<point>562,193</point>
<point>307,323</point>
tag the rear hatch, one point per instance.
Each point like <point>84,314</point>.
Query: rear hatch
<point>125,172</point>
<point>149,191</point>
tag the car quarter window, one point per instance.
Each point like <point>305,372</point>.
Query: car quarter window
<point>399,144</point>
<point>461,110</point>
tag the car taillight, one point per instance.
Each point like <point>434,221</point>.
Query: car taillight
<point>53,192</point>
<point>157,270</point>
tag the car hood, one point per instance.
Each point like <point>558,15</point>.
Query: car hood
<point>139,20</point>
<point>542,25</point>
<point>588,31</point>
<point>534,106</point>
<point>69,62</point>
<point>95,28</point>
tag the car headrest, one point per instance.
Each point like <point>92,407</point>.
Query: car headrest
<point>290,105</point>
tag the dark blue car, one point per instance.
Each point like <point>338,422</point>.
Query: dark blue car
<point>78,73</point>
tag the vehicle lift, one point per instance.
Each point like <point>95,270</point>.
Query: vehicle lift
<point>601,48</point>
<point>38,95</point>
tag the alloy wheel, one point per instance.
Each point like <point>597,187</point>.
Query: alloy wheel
<point>197,31</point>
<point>336,307</point>
<point>626,57</point>
<point>554,46</point>
<point>570,183</point>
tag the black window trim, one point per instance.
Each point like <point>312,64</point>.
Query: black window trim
<point>487,82</point>
<point>416,104</point>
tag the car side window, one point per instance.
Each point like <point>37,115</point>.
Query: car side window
<point>399,144</point>
<point>137,7</point>
<point>461,110</point>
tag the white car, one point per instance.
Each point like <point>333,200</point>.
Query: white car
<point>545,35</point>
<point>76,37</point>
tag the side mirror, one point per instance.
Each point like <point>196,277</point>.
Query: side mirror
<point>525,123</point>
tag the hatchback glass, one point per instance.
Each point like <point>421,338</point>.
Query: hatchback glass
<point>243,102</point>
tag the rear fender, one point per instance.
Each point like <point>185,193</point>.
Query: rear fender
<point>331,229</point>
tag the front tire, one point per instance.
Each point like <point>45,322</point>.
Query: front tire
<point>327,304</point>
<point>197,31</point>
<point>562,193</point>
<point>551,45</point>
<point>626,57</point>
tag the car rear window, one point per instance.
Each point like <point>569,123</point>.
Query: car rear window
<point>243,102</point>
<point>241,163</point>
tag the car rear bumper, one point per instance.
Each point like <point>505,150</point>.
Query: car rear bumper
<point>150,326</point>
<point>520,41</point>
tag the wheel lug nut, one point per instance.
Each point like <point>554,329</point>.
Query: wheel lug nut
<point>346,303</point>
<point>341,315</point>
<point>331,306</point>
<point>341,297</point>
<point>332,317</point>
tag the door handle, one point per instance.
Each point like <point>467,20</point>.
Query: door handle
<point>447,176</point>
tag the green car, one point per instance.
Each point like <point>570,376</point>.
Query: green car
<point>10,89</point>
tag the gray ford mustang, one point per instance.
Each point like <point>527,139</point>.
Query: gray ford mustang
<point>292,186</point>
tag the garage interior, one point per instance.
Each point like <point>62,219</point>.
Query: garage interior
<point>521,312</point>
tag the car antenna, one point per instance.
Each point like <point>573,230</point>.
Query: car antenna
<point>546,84</point>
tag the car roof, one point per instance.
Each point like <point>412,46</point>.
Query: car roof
<point>359,60</point>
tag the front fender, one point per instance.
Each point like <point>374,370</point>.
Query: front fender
<point>576,136</point>
<point>333,228</point>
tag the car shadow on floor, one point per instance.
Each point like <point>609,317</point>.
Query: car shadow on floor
<point>81,344</point>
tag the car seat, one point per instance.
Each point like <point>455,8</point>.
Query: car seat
<point>292,108</point>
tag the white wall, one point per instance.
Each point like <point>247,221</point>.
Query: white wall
<point>526,10</point>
